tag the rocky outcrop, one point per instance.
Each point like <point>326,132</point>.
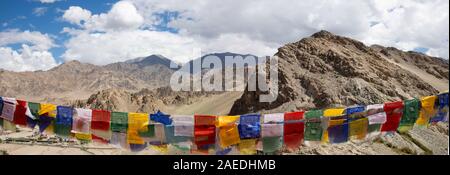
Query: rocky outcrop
<point>326,70</point>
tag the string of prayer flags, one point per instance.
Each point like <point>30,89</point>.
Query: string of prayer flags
<point>19,114</point>
<point>204,130</point>
<point>249,126</point>
<point>183,125</point>
<point>410,115</point>
<point>427,110</point>
<point>63,124</point>
<point>161,118</point>
<point>313,126</point>
<point>443,108</point>
<point>137,122</point>
<point>228,131</point>
<point>293,129</point>
<point>119,122</point>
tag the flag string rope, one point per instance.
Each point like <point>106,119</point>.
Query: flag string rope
<point>203,129</point>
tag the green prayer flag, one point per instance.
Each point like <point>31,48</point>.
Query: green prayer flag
<point>313,131</point>
<point>150,131</point>
<point>63,130</point>
<point>313,114</point>
<point>410,112</point>
<point>119,122</point>
<point>272,144</point>
<point>34,108</point>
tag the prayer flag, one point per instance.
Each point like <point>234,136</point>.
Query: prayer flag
<point>272,144</point>
<point>63,125</point>
<point>119,122</point>
<point>313,127</point>
<point>101,120</point>
<point>335,112</point>
<point>293,129</point>
<point>8,110</point>
<point>34,108</point>
<point>394,112</point>
<point>183,125</point>
<point>204,130</point>
<point>137,122</point>
<point>48,110</point>
<point>410,115</point>
<point>228,131</point>
<point>443,108</point>
<point>169,131</point>
<point>249,126</point>
<point>358,128</point>
<point>19,113</point>
<point>82,121</point>
<point>161,118</point>
<point>247,146</point>
<point>274,118</point>
<point>427,110</point>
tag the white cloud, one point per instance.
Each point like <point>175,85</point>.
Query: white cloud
<point>256,27</point>
<point>76,15</point>
<point>37,40</point>
<point>122,45</point>
<point>40,11</point>
<point>122,16</point>
<point>48,1</point>
<point>33,54</point>
<point>25,59</point>
<point>401,23</point>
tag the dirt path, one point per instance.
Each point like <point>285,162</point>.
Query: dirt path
<point>215,104</point>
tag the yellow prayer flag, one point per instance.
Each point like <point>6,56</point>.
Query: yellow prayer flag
<point>247,147</point>
<point>335,112</point>
<point>227,120</point>
<point>427,111</point>
<point>83,136</point>
<point>137,122</point>
<point>48,108</point>
<point>228,130</point>
<point>358,128</point>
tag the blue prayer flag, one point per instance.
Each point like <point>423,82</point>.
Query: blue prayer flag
<point>249,126</point>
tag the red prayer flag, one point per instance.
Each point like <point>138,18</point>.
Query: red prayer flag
<point>19,114</point>
<point>394,112</point>
<point>293,129</point>
<point>100,120</point>
<point>204,130</point>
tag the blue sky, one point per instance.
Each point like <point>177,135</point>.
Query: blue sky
<point>18,14</point>
<point>40,34</point>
